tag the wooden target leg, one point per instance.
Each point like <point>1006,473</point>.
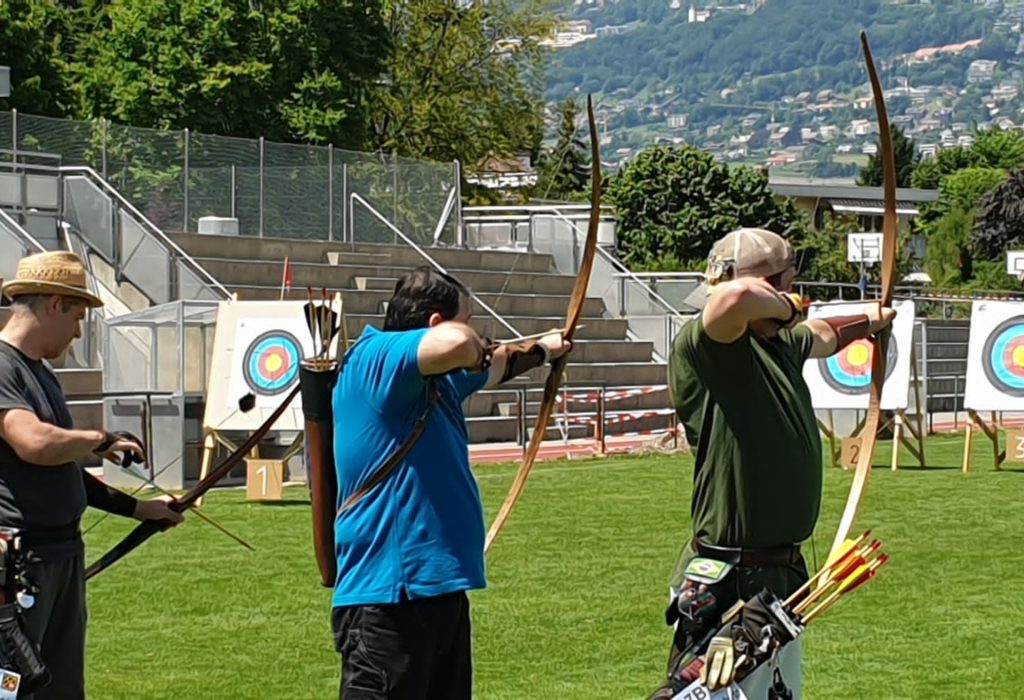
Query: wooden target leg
<point>967,442</point>
<point>897,431</point>
<point>209,446</point>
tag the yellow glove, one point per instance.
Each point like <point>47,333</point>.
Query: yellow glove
<point>719,663</point>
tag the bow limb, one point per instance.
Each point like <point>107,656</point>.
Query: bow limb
<point>880,345</point>
<point>147,528</point>
<point>579,296</point>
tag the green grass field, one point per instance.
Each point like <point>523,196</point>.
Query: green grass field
<point>577,590</point>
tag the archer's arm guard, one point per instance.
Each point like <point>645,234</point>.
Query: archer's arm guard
<point>848,329</point>
<point>522,357</point>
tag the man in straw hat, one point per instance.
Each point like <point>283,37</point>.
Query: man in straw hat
<point>43,491</point>
<point>736,378</point>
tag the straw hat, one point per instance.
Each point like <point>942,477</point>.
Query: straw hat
<point>57,272</point>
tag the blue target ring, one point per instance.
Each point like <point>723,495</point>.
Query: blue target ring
<point>271,363</point>
<point>1003,357</point>
<point>849,370</point>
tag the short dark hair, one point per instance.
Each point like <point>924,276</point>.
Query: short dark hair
<point>421,293</point>
<point>35,301</point>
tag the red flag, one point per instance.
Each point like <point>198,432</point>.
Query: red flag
<point>286,277</point>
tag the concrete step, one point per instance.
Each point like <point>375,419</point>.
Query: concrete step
<point>593,329</point>
<point>372,301</point>
<point>497,261</point>
<point>80,381</point>
<point>941,367</point>
<point>945,385</point>
<point>260,273</point>
<point>274,250</point>
<point>947,351</point>
<point>86,415</point>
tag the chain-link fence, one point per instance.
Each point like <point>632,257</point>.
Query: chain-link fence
<point>273,189</point>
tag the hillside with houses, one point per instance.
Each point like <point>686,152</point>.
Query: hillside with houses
<point>780,83</point>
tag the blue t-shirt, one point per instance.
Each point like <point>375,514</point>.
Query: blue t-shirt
<point>422,529</point>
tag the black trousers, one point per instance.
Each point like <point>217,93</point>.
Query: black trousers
<point>412,650</point>
<point>57,623</point>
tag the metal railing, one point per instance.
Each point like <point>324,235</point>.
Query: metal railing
<point>273,189</point>
<point>358,199</point>
<point>131,246</point>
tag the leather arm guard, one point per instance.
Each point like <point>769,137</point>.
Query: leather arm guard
<point>848,328</point>
<point>522,357</point>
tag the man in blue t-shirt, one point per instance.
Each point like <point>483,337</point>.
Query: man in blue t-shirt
<point>410,547</point>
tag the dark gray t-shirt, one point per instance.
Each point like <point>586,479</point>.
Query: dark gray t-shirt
<point>34,496</point>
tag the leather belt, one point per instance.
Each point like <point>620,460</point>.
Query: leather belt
<point>742,556</point>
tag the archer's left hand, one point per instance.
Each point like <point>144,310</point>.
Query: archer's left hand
<point>556,343</point>
<point>157,509</point>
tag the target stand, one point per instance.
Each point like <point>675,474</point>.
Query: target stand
<point>842,382</point>
<point>991,433</point>
<point>257,349</point>
<point>995,373</point>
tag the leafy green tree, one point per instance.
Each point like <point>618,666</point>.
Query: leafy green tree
<point>461,81</point>
<point>673,203</point>
<point>930,171</point>
<point>947,258</point>
<point>947,224</point>
<point>907,157</point>
<point>999,225</point>
<point>283,69</point>
<point>1000,148</point>
<point>35,44</point>
<point>564,171</point>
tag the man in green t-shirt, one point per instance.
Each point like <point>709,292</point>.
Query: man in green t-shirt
<point>737,385</point>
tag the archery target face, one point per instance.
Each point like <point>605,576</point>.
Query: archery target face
<point>843,380</point>
<point>1003,356</point>
<point>258,348</point>
<point>995,357</point>
<point>849,370</point>
<point>271,363</point>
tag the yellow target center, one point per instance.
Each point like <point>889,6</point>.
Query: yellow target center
<point>1018,356</point>
<point>859,355</point>
<point>274,363</point>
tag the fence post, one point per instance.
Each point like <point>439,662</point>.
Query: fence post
<point>261,189</point>
<point>394,185</point>
<point>105,123</point>
<point>234,191</point>
<point>460,236</point>
<point>330,191</point>
<point>14,134</point>
<point>186,214</point>
<point>602,445</point>
<point>346,230</point>
<point>521,411</point>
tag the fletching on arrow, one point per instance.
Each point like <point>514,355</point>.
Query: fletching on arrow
<point>848,546</point>
<point>247,402</point>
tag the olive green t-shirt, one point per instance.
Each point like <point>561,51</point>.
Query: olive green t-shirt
<point>758,480</point>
